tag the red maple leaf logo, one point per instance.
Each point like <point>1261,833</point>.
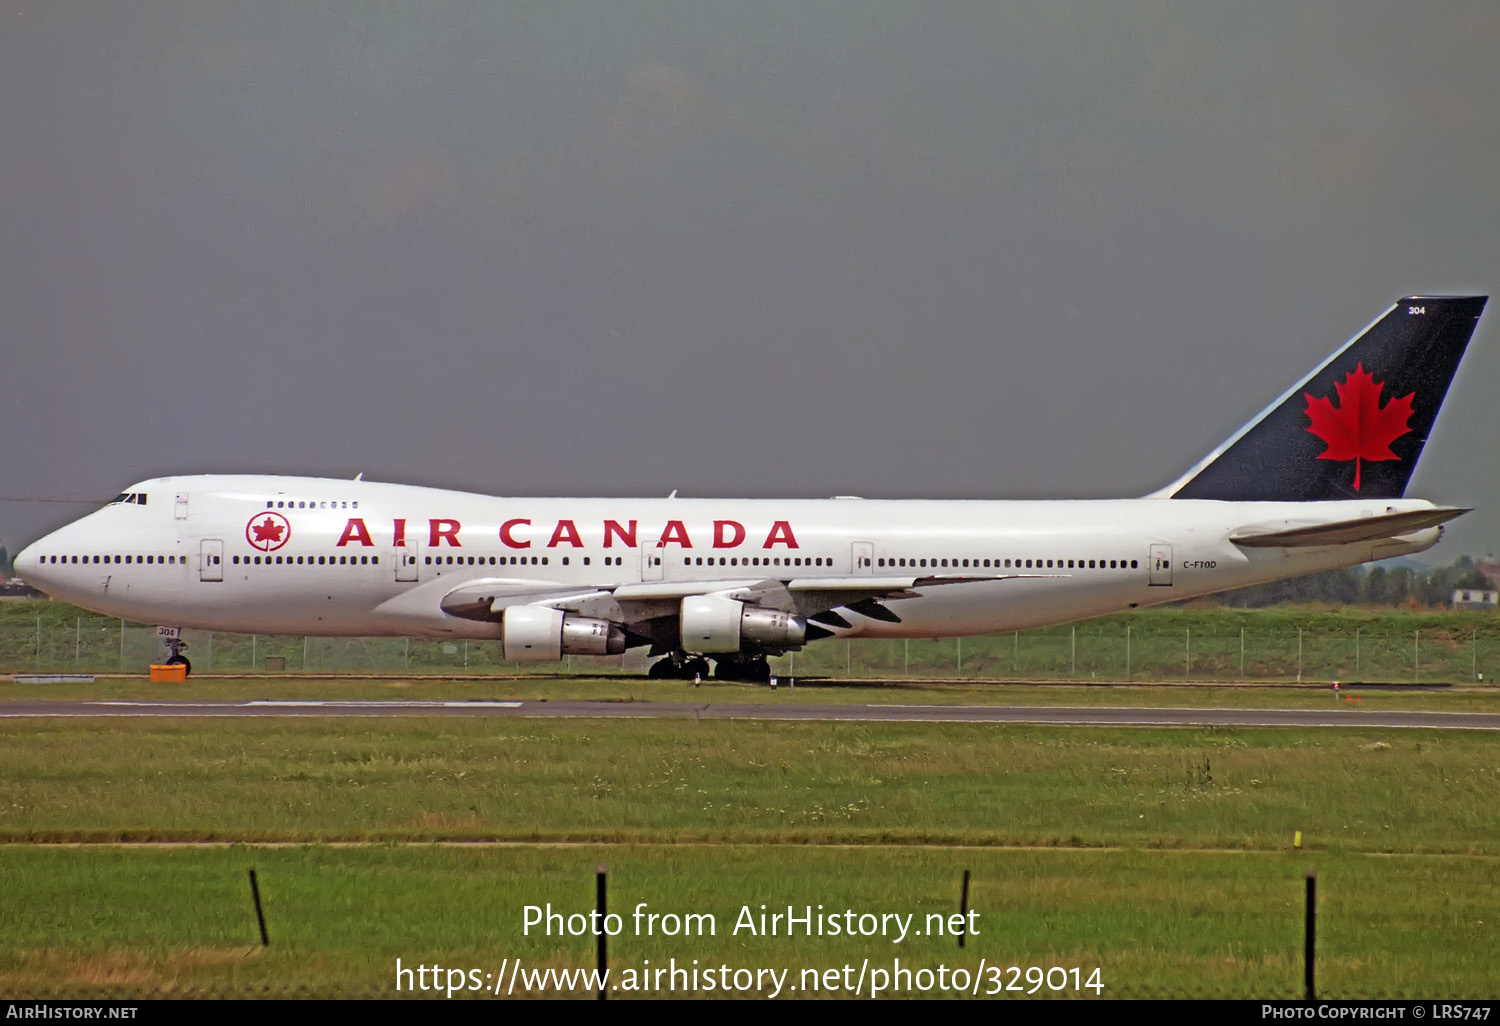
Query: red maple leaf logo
<point>1359,428</point>
<point>268,531</point>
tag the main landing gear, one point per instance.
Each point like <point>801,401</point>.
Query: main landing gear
<point>681,666</point>
<point>752,669</point>
<point>678,666</point>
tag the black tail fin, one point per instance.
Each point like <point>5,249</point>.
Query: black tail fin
<point>1355,426</point>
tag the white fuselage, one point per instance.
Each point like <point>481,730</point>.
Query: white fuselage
<point>288,555</point>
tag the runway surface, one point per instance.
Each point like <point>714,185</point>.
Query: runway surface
<point>1062,715</point>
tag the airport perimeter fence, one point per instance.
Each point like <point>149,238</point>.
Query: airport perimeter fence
<point>1087,652</point>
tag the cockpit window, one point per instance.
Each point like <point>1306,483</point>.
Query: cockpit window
<point>135,498</point>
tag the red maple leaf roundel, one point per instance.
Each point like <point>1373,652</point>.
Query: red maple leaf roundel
<point>268,532</point>
<point>1359,428</point>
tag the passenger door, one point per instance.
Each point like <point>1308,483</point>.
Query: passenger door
<point>651,562</point>
<point>211,560</point>
<point>406,560</point>
<point>862,557</point>
<point>1161,566</point>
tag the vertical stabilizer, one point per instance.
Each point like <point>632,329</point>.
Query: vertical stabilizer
<point>1353,428</point>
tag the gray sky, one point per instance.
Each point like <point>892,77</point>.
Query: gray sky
<point>768,249</point>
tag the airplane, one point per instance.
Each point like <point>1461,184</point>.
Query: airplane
<point>1315,482</point>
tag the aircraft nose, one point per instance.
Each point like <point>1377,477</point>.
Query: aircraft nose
<point>25,564</point>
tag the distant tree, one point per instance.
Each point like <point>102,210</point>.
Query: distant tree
<point>6,570</point>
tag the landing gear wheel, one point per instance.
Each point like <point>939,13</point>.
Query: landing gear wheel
<point>175,648</point>
<point>754,670</point>
<point>678,666</point>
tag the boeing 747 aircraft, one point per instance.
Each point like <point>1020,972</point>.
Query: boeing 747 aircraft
<point>1316,481</point>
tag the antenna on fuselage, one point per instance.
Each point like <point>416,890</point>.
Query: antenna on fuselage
<point>359,476</point>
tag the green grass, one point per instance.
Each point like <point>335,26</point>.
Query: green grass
<point>673,781</point>
<point>1192,643</point>
<point>122,923</point>
<point>1163,857</point>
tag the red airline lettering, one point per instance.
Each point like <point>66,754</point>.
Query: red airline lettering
<point>781,533</point>
<point>674,532</point>
<point>612,528</point>
<point>400,532</point>
<point>567,531</point>
<point>355,530</point>
<point>737,531</point>
<point>505,535</point>
<point>437,530</point>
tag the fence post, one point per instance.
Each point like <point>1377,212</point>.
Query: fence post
<point>254,641</point>
<point>906,658</point>
<point>1188,666</point>
<point>963,910</point>
<point>602,952</point>
<point>38,642</point>
<point>1310,924</point>
<point>1299,655</point>
<point>78,644</point>
<point>848,649</point>
<point>210,659</point>
<point>1242,651</point>
<point>304,653</point>
<point>1473,654</point>
<point>1356,651</point>
<point>1416,657</point>
<point>1073,650</point>
<point>960,655</point>
<point>260,916</point>
<point>1015,655</point>
<point>1127,653</point>
<point>122,644</point>
<point>406,657</point>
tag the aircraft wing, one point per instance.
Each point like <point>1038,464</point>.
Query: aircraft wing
<point>1342,532</point>
<point>811,597</point>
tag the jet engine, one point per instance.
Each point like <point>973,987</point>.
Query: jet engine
<point>712,623</point>
<point>542,634</point>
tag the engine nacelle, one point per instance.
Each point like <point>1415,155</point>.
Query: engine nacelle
<point>712,623</point>
<point>536,634</point>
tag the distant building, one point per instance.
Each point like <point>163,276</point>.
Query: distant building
<point>1475,598</point>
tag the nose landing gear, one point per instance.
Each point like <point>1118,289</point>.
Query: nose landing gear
<point>175,647</point>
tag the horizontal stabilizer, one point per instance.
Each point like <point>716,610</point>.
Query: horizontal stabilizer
<point>1342,532</point>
